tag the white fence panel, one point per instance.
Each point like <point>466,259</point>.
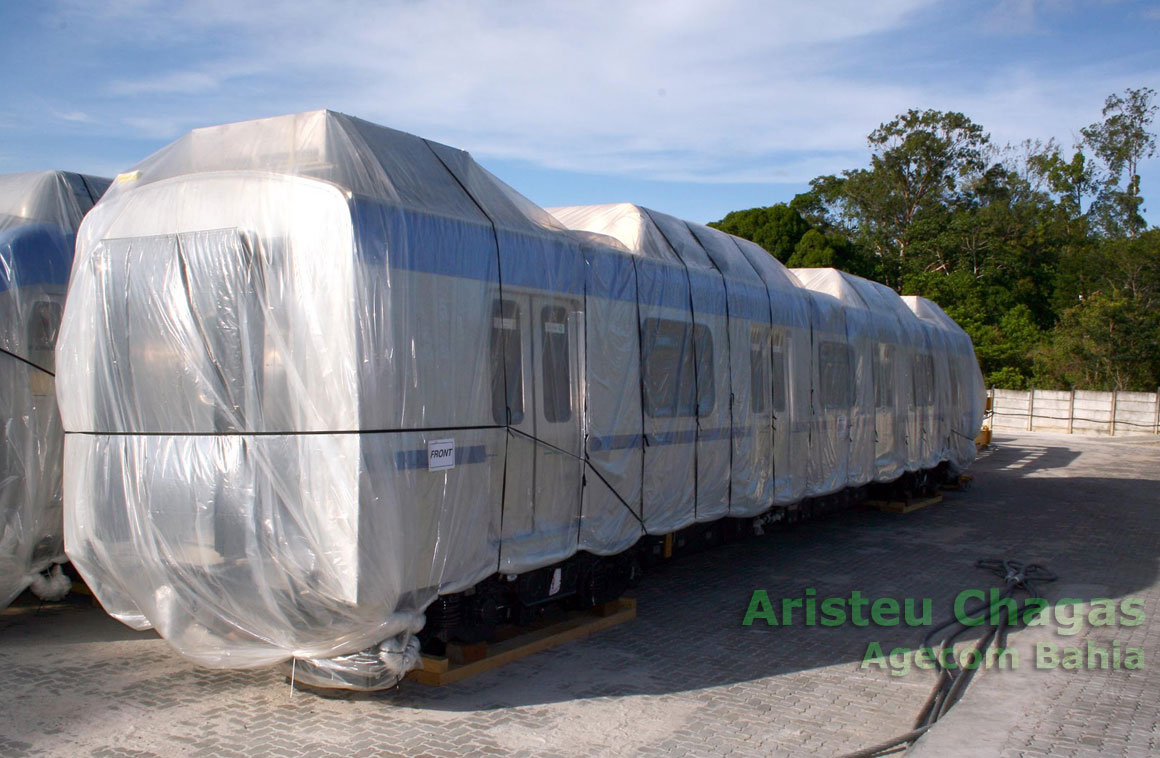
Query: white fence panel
<point>1079,412</point>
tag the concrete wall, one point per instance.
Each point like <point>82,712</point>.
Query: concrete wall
<point>1076,412</point>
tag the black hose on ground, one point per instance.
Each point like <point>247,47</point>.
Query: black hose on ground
<point>952,682</point>
<point>889,745</point>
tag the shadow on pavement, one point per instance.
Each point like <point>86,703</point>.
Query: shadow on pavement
<point>1088,512</point>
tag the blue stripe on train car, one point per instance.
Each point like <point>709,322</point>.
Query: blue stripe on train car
<point>416,241</point>
<point>748,301</point>
<point>708,292</point>
<point>551,263</point>
<point>610,275</point>
<point>683,437</point>
<point>554,264</point>
<point>35,254</point>
<point>409,460</point>
<point>613,442</point>
<point>662,284</point>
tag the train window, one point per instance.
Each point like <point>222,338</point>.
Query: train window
<point>506,363</point>
<point>884,377</point>
<point>923,379</point>
<point>759,369</point>
<point>779,375</point>
<point>556,375</point>
<point>43,325</point>
<point>836,375</point>
<point>670,382</point>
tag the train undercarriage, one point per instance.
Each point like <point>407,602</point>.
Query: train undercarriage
<point>585,580</point>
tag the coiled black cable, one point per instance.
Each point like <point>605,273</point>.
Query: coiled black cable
<point>1020,580</point>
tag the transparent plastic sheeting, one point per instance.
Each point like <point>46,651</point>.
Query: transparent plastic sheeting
<point>749,341</point>
<point>277,330</point>
<point>961,397</point>
<point>39,216</point>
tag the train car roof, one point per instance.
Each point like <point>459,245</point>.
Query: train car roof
<point>886,307</point>
<point>39,215</point>
<point>59,198</point>
<point>652,234</point>
<point>366,160</point>
<point>833,282</point>
<point>930,312</point>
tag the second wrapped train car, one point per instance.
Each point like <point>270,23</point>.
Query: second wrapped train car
<point>329,388</point>
<point>39,215</point>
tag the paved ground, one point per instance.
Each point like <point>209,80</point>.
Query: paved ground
<point>686,677</point>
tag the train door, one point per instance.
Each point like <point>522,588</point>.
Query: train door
<point>885,419</point>
<point>905,397</point>
<point>793,412</point>
<point>513,405</point>
<point>672,399</point>
<point>836,390</point>
<point>781,418</point>
<point>761,381</point>
<point>611,404</point>
<point>922,376</point>
<point>557,330</point>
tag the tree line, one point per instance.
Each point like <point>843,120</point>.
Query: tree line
<point>1040,252</point>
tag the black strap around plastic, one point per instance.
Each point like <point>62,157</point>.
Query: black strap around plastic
<point>27,362</point>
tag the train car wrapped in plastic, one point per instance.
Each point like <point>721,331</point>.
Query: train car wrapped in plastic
<point>39,216</point>
<point>331,390</point>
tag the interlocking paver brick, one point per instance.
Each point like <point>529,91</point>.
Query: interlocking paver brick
<point>685,678</point>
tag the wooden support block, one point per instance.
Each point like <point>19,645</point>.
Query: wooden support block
<point>436,672</point>
<point>436,664</point>
<point>606,609</point>
<point>461,653</point>
<point>905,506</point>
<point>983,438</point>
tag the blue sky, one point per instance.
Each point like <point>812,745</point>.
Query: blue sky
<point>694,108</point>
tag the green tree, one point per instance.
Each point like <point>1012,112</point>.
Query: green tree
<point>1040,253</point>
<point>1108,339</point>
<point>777,228</point>
<point>921,164</point>
<point>821,205</point>
<point>1072,180</point>
<point>1106,343</point>
<point>1121,141</point>
<point>833,250</point>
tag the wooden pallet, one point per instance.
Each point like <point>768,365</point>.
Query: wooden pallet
<point>469,660</point>
<point>905,506</point>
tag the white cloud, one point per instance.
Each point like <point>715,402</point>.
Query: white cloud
<point>180,82</point>
<point>79,117</point>
<point>1012,17</point>
<point>663,89</point>
<point>734,90</point>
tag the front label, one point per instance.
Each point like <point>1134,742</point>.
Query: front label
<point>440,454</point>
